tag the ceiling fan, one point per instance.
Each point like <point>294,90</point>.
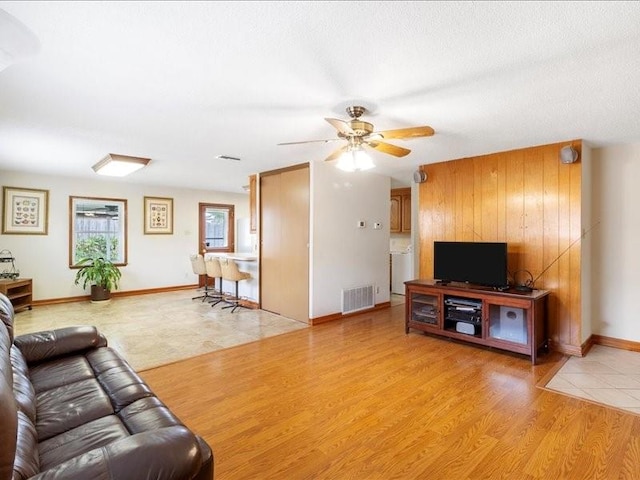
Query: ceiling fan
<point>359,133</point>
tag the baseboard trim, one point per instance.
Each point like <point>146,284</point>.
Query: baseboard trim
<point>339,316</point>
<point>586,346</point>
<point>128,293</point>
<point>566,349</point>
<point>583,349</point>
<point>615,343</point>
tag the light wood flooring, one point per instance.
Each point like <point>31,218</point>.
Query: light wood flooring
<point>359,399</point>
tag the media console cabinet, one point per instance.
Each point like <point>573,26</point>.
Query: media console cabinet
<point>508,320</point>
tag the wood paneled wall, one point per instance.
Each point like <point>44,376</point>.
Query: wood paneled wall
<point>530,200</point>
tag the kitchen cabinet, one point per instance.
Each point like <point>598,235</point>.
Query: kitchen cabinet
<point>400,220</point>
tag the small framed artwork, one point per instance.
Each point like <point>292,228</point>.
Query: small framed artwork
<point>25,211</point>
<point>158,215</point>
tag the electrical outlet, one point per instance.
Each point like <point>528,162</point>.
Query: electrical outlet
<point>361,224</point>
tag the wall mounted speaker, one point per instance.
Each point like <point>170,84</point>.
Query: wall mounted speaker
<point>568,154</point>
<point>419,176</point>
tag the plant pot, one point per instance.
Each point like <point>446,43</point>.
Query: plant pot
<point>100,294</point>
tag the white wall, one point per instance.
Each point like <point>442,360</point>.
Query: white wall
<point>615,286</point>
<point>154,261</point>
<point>343,255</point>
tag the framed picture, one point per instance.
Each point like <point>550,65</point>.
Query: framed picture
<point>25,211</point>
<point>158,215</point>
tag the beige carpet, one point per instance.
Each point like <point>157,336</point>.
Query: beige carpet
<point>156,329</point>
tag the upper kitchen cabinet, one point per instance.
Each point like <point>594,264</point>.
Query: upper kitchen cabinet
<point>400,221</point>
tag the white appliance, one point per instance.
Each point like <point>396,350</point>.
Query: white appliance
<point>401,270</point>
<point>243,236</point>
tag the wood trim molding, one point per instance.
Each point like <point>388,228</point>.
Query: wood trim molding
<point>587,344</point>
<point>285,169</point>
<point>615,343</point>
<point>339,316</point>
<point>595,340</point>
<point>565,349</point>
<point>129,293</point>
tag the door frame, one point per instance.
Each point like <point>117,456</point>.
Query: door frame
<point>231,227</point>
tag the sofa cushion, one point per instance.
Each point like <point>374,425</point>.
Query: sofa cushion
<point>80,440</point>
<point>7,316</point>
<point>121,383</point>
<point>147,414</point>
<point>69,406</point>
<point>6,370</point>
<point>8,425</point>
<point>47,345</point>
<point>62,371</point>
<point>23,390</point>
<point>27,462</point>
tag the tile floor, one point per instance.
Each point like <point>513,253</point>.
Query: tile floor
<point>396,299</point>
<point>605,375</point>
<point>156,329</point>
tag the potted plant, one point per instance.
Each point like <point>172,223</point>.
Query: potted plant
<point>101,274</point>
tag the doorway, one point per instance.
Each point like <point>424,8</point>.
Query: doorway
<point>215,229</point>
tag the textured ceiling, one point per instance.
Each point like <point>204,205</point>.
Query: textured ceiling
<point>182,82</point>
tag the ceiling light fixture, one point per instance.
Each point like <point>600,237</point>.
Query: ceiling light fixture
<point>354,159</point>
<point>119,165</point>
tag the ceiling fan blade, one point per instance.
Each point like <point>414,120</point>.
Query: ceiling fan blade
<point>342,126</point>
<point>336,153</point>
<point>388,148</point>
<point>412,132</point>
<point>310,141</point>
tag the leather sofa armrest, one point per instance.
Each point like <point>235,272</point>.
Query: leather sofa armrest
<point>163,454</point>
<point>39,346</point>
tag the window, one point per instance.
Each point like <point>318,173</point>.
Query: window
<point>216,227</point>
<point>97,227</point>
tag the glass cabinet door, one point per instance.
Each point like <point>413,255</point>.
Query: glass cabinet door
<point>507,323</point>
<point>424,308</point>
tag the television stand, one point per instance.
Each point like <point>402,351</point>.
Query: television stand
<point>509,320</point>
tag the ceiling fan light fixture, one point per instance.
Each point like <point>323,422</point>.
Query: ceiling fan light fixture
<point>354,160</point>
<point>119,165</point>
<point>17,42</point>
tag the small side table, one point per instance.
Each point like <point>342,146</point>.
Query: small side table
<point>19,292</point>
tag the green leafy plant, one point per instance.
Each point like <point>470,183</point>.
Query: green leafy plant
<point>95,246</point>
<point>98,271</point>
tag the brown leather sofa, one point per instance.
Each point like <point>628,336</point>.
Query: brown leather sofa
<point>72,408</point>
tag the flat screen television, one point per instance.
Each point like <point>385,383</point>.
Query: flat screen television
<point>476,263</point>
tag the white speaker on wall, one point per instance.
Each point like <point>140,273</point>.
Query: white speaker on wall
<point>419,176</point>
<point>568,154</point>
